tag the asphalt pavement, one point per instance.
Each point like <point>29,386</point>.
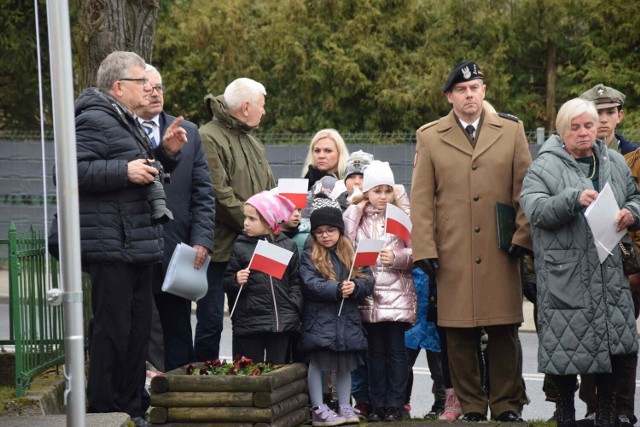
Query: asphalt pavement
<point>421,398</point>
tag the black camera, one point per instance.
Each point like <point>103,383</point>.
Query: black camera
<point>156,197</point>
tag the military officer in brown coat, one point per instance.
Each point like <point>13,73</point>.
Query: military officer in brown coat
<point>464,164</point>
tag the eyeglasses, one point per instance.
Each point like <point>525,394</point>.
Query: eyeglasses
<point>159,88</point>
<point>329,231</point>
<point>140,80</point>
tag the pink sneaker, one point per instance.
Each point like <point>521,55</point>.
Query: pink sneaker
<point>407,410</point>
<point>322,415</point>
<point>452,409</point>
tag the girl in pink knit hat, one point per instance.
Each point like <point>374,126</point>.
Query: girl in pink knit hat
<point>267,311</point>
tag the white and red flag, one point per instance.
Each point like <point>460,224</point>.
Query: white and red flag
<point>367,252</point>
<point>294,189</point>
<point>398,222</point>
<point>270,259</point>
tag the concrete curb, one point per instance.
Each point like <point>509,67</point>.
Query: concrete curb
<point>47,390</point>
<point>113,419</point>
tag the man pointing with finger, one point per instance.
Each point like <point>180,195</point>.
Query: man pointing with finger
<point>190,198</point>
<point>120,242</point>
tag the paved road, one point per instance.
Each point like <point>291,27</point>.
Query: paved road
<point>422,399</point>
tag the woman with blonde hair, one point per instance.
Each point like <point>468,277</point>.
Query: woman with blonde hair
<point>327,156</point>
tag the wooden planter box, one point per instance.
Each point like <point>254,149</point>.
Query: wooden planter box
<point>278,398</point>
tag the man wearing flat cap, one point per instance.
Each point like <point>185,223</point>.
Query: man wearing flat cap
<point>464,164</point>
<point>609,103</point>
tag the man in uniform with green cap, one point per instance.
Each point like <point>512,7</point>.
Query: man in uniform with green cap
<point>609,104</point>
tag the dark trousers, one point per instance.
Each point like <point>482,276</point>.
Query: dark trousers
<point>565,384</point>
<point>444,357</point>
<point>624,367</point>
<point>434,361</point>
<point>175,318</point>
<point>210,315</point>
<point>266,347</point>
<point>360,383</point>
<point>155,355</point>
<point>121,303</point>
<point>503,369</point>
<point>387,364</point>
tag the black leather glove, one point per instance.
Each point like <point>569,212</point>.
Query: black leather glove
<point>429,266</point>
<point>516,251</point>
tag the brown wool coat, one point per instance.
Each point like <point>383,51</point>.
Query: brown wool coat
<point>453,196</point>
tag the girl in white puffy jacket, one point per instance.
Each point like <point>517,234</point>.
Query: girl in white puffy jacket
<point>391,309</point>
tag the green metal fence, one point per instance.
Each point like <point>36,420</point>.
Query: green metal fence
<point>36,328</point>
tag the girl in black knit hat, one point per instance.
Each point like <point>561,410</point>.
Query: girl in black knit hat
<point>333,342</point>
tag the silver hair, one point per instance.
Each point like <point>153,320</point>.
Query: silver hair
<point>148,68</point>
<point>570,110</point>
<point>241,90</point>
<point>116,66</point>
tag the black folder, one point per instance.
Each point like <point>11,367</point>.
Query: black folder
<point>506,222</point>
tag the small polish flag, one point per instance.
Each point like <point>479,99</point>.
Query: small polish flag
<point>294,189</point>
<point>398,222</point>
<point>270,259</point>
<point>367,252</point>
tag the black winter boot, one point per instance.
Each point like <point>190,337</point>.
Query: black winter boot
<point>605,412</point>
<point>565,410</point>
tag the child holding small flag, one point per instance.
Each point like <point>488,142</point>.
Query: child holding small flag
<point>264,284</point>
<point>333,342</point>
<point>391,309</point>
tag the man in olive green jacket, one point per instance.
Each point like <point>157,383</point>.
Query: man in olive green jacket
<point>239,169</point>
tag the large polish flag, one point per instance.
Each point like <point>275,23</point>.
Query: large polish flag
<point>294,189</point>
<point>368,251</point>
<point>398,222</point>
<point>270,259</point>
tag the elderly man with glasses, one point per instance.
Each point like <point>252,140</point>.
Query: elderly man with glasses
<point>120,240</point>
<point>190,198</point>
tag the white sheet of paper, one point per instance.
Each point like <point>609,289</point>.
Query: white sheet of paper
<point>182,279</point>
<point>601,216</point>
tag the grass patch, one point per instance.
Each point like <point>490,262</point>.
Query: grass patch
<point>7,394</point>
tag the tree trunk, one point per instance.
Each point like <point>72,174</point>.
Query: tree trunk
<point>105,26</point>
<point>551,85</point>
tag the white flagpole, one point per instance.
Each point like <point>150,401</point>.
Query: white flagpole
<point>68,208</point>
<point>241,287</point>
<point>349,278</point>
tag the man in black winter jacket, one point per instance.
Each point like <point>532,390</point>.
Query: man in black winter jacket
<point>120,242</point>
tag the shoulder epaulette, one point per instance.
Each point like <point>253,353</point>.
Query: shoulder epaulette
<point>508,116</point>
<point>428,125</point>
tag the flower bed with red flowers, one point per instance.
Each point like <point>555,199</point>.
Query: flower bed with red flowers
<point>240,393</point>
<point>239,366</point>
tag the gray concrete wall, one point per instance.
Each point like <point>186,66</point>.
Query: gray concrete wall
<point>21,182</point>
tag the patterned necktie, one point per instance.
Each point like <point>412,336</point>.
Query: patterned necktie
<point>470,130</point>
<point>148,126</point>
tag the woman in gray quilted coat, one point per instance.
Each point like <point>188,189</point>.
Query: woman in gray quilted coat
<point>585,312</point>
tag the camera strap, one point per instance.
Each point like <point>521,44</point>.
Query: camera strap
<point>128,120</point>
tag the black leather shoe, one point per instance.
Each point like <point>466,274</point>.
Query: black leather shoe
<point>377,415</point>
<point>623,421</point>
<point>474,417</point>
<point>393,414</point>
<point>509,417</point>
